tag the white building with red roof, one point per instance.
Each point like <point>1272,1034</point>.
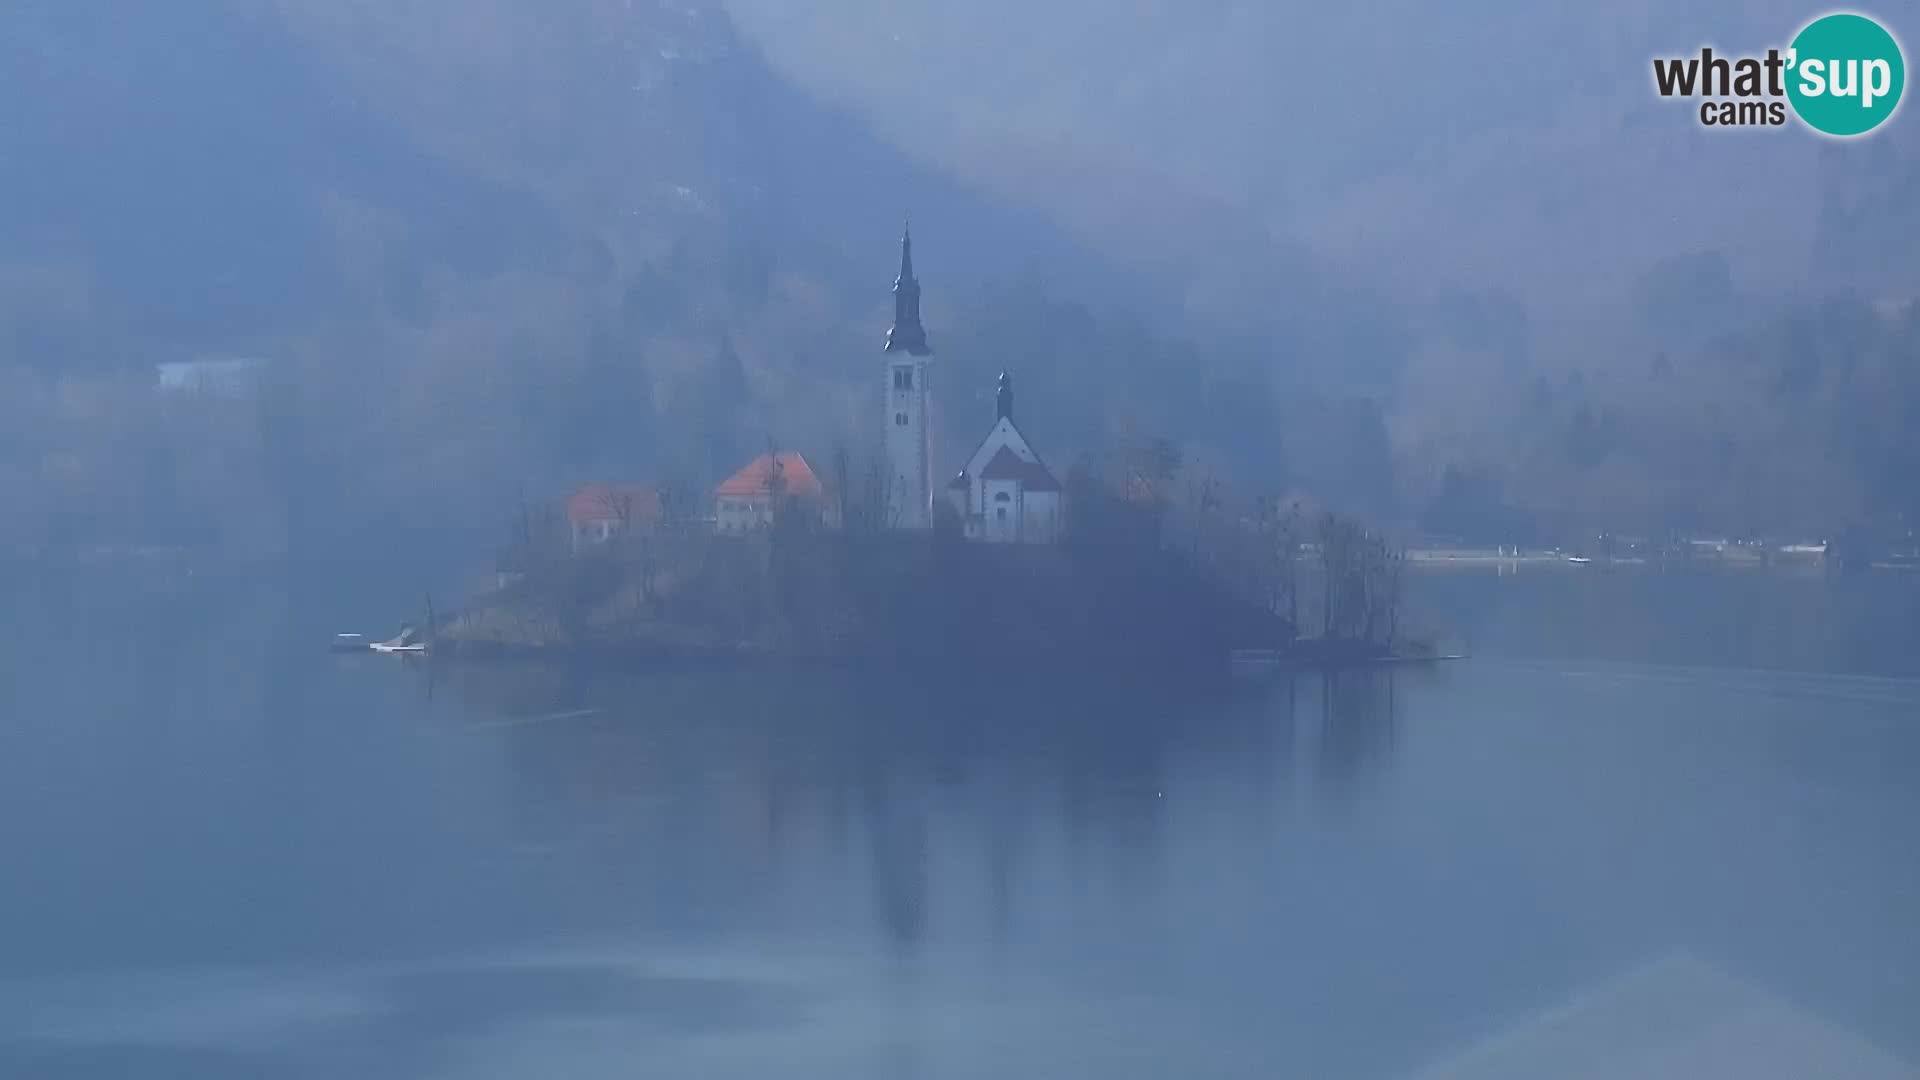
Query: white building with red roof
<point>599,512</point>
<point>747,499</point>
<point>1006,494</point>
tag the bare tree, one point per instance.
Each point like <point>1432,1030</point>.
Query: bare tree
<point>1278,532</point>
<point>1392,585</point>
<point>1203,501</point>
<point>776,472</point>
<point>648,568</point>
<point>1292,534</point>
<point>1362,579</point>
<point>841,468</point>
<point>780,513</point>
<point>679,503</point>
<point>622,506</point>
<point>1343,584</point>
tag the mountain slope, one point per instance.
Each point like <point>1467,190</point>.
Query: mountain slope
<point>206,176</point>
<point>229,168</point>
<point>1501,143</point>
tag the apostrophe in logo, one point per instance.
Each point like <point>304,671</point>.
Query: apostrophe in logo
<point>1847,75</point>
<point>1842,76</point>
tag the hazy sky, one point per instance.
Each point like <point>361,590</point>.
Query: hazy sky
<point>1502,142</point>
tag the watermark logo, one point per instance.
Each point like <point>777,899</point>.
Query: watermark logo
<point>1842,76</point>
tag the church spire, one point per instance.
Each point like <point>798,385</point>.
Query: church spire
<point>907,335</point>
<point>1003,398</point>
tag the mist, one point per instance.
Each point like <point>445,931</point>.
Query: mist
<point>948,538</point>
<point>487,251</point>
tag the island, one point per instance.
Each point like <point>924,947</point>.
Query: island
<point>1130,581</point>
<point>1128,562</point>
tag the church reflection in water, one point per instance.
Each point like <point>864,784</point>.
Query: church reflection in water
<point>696,794</point>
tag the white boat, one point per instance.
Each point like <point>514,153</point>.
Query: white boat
<point>405,643</point>
<point>390,649</point>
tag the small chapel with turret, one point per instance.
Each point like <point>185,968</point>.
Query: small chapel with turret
<point>1004,493</point>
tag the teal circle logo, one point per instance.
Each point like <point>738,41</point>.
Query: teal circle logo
<point>1845,74</point>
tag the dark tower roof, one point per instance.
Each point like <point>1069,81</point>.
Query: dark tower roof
<point>1003,398</point>
<point>907,335</point>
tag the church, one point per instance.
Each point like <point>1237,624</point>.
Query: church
<point>1004,493</point>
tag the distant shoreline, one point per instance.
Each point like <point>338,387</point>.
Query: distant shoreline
<point>1731,559</point>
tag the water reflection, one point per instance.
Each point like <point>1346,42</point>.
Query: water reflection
<point>241,855</point>
<point>731,787</point>
<point>1357,724</point>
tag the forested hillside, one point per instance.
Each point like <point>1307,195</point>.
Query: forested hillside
<point>489,249</point>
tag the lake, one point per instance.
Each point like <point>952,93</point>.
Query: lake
<point>1654,815</point>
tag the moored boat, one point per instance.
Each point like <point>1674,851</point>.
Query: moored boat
<point>406,643</point>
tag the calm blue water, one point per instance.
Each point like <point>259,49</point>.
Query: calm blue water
<point>231,854</point>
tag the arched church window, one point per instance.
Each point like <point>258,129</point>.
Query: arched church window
<point>900,419</point>
<point>1003,497</point>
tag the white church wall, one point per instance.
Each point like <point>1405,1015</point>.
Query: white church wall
<point>1002,524</point>
<point>909,481</point>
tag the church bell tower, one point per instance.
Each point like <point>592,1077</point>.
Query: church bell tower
<point>909,463</point>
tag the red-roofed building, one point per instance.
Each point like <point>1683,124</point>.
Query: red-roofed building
<point>1006,494</point>
<point>599,512</point>
<point>747,499</point>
